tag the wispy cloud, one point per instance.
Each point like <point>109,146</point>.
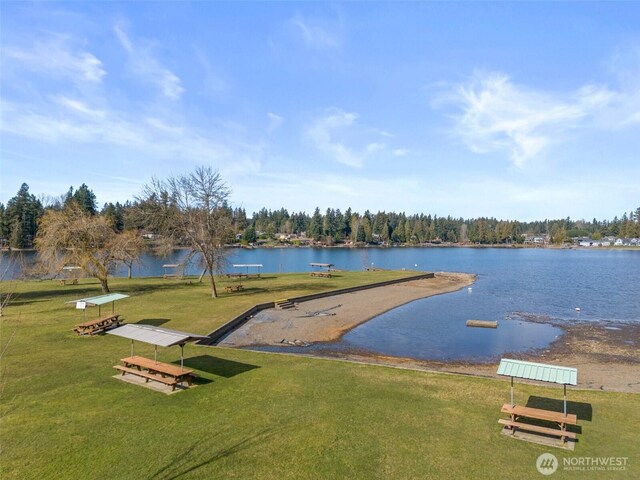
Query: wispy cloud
<point>57,56</point>
<point>275,122</point>
<point>494,114</point>
<point>69,121</point>
<point>319,35</point>
<point>333,133</point>
<point>147,67</point>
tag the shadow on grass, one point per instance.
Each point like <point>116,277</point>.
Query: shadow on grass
<point>208,450</point>
<point>218,366</point>
<point>156,322</point>
<point>584,411</point>
<point>80,291</point>
<point>85,290</point>
<point>315,286</point>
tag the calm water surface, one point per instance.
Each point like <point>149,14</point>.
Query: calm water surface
<point>512,283</point>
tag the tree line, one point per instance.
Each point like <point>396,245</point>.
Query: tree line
<point>398,228</point>
<point>19,222</point>
<point>192,211</point>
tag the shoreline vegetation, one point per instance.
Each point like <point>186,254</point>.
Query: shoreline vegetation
<point>420,245</point>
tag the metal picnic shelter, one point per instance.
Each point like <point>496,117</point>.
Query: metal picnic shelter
<point>98,301</point>
<point>156,336</point>
<point>540,372</point>
<point>248,266</point>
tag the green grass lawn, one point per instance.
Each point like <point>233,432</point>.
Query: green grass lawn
<point>257,415</point>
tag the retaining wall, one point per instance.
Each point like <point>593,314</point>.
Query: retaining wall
<point>215,336</point>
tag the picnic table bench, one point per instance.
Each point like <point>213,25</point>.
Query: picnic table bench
<point>237,275</point>
<point>517,412</point>
<point>161,372</point>
<point>73,281</point>
<point>98,325</point>
<point>321,274</point>
<point>234,288</point>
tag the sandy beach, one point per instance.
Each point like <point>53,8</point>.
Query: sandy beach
<point>607,356</point>
<point>327,319</point>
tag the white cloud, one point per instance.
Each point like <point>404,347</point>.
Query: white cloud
<point>275,121</point>
<point>400,152</point>
<point>333,133</point>
<point>318,35</point>
<point>58,56</point>
<point>157,138</point>
<point>147,67</point>
<point>78,106</point>
<point>495,114</point>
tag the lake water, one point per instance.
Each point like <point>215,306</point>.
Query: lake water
<point>513,284</point>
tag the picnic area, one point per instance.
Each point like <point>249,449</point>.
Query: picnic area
<point>260,415</point>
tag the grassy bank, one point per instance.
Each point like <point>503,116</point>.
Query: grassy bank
<point>256,415</point>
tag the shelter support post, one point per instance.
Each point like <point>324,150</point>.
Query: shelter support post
<point>181,355</point>
<point>512,404</point>
<point>565,399</point>
<point>132,347</point>
<point>155,353</point>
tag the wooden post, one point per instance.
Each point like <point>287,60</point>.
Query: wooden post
<point>132,347</point>
<point>565,399</point>
<point>181,356</point>
<point>512,404</point>
<point>155,353</point>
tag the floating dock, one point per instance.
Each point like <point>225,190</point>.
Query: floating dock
<point>482,323</point>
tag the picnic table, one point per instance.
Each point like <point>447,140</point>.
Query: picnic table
<point>161,372</point>
<point>70,281</point>
<point>98,325</point>
<point>517,412</point>
<point>237,275</point>
<point>321,274</point>
<point>234,288</point>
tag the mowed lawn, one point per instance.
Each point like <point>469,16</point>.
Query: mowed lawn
<point>257,415</point>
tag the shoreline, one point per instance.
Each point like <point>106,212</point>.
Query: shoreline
<point>606,354</point>
<point>340,313</point>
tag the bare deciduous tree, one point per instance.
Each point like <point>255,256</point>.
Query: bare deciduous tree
<point>191,210</point>
<point>72,237</point>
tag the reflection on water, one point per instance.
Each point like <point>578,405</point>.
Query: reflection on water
<point>435,329</point>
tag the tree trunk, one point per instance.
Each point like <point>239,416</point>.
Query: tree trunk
<point>129,272</point>
<point>104,284</point>
<point>214,291</point>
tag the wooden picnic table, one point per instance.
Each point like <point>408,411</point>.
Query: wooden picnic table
<point>73,281</point>
<point>153,370</point>
<point>517,412</point>
<point>321,274</point>
<point>234,288</point>
<point>98,325</point>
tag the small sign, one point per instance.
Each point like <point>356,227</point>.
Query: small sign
<point>81,305</point>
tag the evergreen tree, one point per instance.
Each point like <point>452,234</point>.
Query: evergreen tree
<point>84,197</point>
<point>21,218</point>
<point>315,225</point>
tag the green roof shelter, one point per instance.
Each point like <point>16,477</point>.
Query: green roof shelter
<point>98,301</point>
<point>538,371</point>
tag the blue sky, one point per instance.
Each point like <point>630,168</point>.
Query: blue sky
<point>513,110</point>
